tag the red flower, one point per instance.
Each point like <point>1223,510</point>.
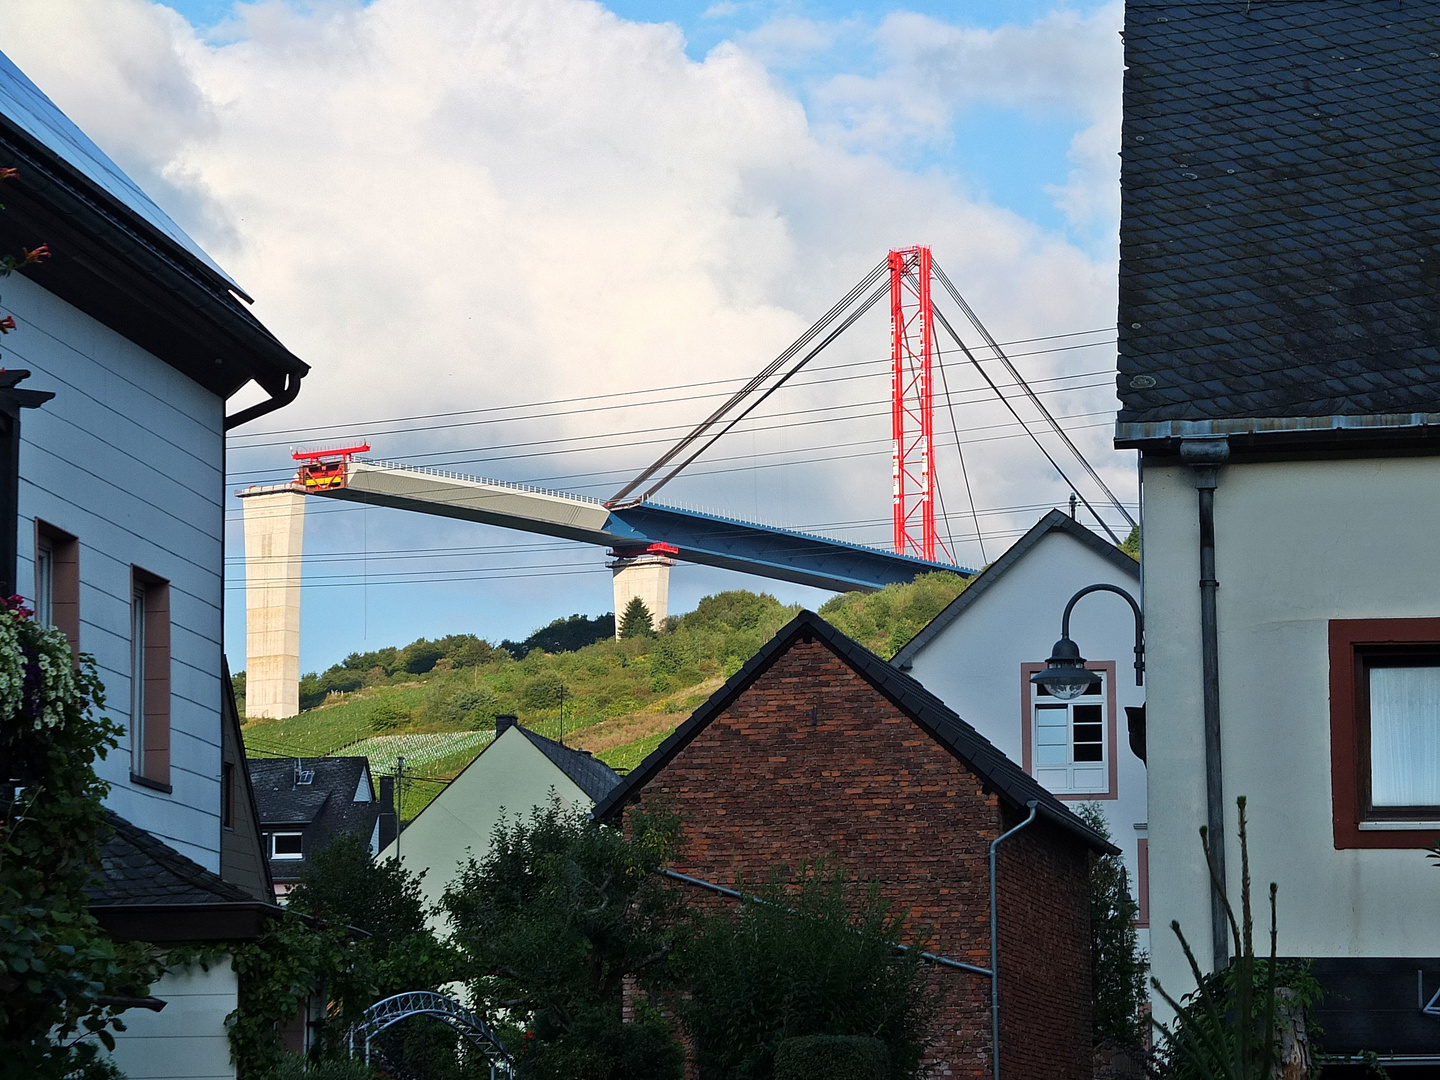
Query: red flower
<point>9,174</point>
<point>7,324</point>
<point>36,254</point>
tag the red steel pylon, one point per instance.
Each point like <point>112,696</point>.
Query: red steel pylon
<point>912,350</point>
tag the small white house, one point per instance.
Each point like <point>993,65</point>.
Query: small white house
<point>142,339</point>
<point>513,775</point>
<point>979,653</point>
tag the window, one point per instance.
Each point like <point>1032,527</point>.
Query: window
<point>1385,731</point>
<point>287,845</point>
<point>1142,882</point>
<point>57,582</point>
<point>149,680</point>
<point>1069,746</point>
<point>227,795</point>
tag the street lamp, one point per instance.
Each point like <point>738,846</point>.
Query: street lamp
<point>1065,676</point>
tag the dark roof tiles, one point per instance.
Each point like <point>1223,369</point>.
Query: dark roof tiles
<point>137,869</point>
<point>1280,232</point>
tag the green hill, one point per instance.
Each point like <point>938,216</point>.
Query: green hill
<point>435,701</point>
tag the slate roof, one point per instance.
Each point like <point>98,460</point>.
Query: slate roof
<point>138,869</point>
<point>977,753</point>
<point>320,809</point>
<point>1054,521</point>
<point>1280,222</point>
<point>589,774</point>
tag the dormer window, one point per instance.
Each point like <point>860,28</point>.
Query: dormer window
<point>287,845</point>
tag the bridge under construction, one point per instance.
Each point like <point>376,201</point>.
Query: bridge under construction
<point>645,538</point>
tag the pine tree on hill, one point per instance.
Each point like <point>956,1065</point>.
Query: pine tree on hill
<point>636,620</point>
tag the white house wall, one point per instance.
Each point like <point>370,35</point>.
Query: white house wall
<point>1297,544</point>
<point>129,457</point>
<point>973,665</point>
<point>510,778</point>
<point>188,1040</point>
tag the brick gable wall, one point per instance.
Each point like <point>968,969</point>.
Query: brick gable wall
<point>812,761</point>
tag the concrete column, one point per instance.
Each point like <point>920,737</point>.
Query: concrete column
<point>274,538</point>
<point>645,576</point>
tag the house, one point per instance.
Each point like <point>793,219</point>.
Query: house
<point>305,803</point>
<point>979,653</point>
<point>1279,375</point>
<point>141,339</point>
<point>818,748</point>
<point>515,773</point>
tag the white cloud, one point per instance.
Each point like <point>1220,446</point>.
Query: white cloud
<point>1063,65</point>
<point>448,204</point>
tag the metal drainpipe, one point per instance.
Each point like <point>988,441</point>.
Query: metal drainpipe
<point>1205,456</point>
<point>995,941</point>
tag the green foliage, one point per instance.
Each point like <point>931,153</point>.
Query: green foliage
<point>564,635</point>
<point>1131,545</point>
<point>1227,1029</point>
<point>421,656</point>
<point>277,973</point>
<point>1117,966</point>
<point>342,885</point>
<point>637,620</point>
<point>884,621</point>
<point>296,1067</point>
<point>55,961</point>
<point>815,959</point>
<point>551,922</point>
<point>834,1057</point>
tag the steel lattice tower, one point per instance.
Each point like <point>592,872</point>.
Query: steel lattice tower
<point>912,350</point>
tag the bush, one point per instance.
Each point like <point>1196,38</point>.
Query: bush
<point>832,1057</point>
<point>885,621</point>
<point>387,717</point>
<point>1117,966</point>
<point>792,963</point>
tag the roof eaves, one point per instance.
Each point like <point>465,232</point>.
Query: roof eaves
<point>1053,521</point>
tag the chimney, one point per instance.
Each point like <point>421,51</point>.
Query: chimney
<point>387,811</point>
<point>504,723</point>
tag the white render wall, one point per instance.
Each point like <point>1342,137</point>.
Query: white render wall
<point>973,665</point>
<point>187,1040</point>
<point>129,457</point>
<point>510,778</point>
<point>1297,544</point>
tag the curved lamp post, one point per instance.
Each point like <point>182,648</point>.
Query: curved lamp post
<point>1065,676</point>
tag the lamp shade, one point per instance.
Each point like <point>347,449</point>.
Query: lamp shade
<point>1065,676</point>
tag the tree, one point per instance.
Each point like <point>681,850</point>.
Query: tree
<point>1117,966</point>
<point>57,967</point>
<point>816,959</point>
<point>637,620</point>
<point>553,922</point>
<point>344,886</point>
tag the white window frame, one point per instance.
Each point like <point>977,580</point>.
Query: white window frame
<point>1071,779</point>
<point>275,853</point>
<point>137,679</point>
<point>44,581</point>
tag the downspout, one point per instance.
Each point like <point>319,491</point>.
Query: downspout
<point>1205,456</point>
<point>276,401</point>
<point>995,941</point>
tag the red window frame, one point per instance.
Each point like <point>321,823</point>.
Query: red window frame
<point>1351,642</point>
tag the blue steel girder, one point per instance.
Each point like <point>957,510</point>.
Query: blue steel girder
<point>768,551</point>
<point>709,539</point>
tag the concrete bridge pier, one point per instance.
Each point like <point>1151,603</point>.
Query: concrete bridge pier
<point>274,541</point>
<point>644,573</point>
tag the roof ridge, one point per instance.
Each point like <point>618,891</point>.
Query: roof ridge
<point>906,693</point>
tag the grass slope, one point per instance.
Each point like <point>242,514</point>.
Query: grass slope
<point>618,699</point>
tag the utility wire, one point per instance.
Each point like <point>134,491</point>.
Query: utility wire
<point>845,324</point>
<point>1034,400</point>
<point>750,387</point>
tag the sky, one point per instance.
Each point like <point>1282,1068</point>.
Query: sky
<point>568,227</point>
